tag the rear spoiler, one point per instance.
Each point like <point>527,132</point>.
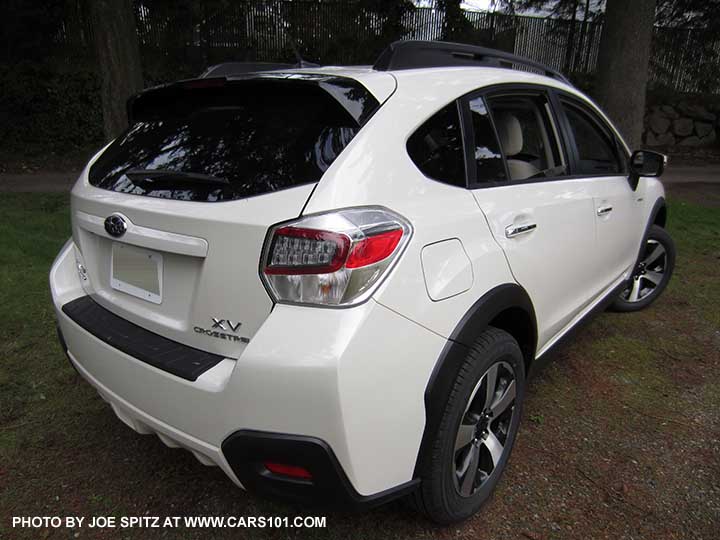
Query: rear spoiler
<point>166,93</point>
<point>214,76</point>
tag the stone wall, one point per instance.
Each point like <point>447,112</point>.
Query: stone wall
<point>683,124</point>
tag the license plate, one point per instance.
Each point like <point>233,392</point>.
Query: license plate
<point>137,272</point>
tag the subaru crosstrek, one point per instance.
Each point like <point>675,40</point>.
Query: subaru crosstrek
<point>333,282</point>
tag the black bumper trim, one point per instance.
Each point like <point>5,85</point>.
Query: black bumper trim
<point>61,339</point>
<point>185,362</point>
<point>246,450</point>
<point>64,346</point>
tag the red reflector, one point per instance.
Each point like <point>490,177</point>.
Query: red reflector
<point>288,470</point>
<point>374,249</point>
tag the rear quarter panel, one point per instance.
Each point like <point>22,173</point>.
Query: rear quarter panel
<point>375,169</point>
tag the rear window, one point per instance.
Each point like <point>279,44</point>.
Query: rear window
<point>215,140</point>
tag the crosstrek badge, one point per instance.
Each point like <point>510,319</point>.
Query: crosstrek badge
<point>220,329</point>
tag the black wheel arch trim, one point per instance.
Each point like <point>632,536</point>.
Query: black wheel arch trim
<point>658,206</point>
<point>489,306</point>
<point>472,324</point>
<point>246,450</point>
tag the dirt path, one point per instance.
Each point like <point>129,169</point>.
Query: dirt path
<point>702,193</point>
<point>37,182</point>
<point>687,178</point>
<point>681,174</point>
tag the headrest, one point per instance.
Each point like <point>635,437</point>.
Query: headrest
<point>510,133</point>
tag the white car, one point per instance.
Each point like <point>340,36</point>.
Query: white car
<point>332,282</point>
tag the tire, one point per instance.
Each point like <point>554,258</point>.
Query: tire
<point>652,272</point>
<point>445,495</point>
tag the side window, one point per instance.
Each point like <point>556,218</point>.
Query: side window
<point>436,147</point>
<point>527,136</point>
<point>488,159</point>
<point>597,151</point>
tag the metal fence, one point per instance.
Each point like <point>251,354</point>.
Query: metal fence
<point>183,38</point>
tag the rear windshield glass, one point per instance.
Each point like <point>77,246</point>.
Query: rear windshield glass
<point>215,140</point>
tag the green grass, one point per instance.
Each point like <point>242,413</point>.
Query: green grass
<point>696,230</point>
<point>32,231</point>
<point>632,402</point>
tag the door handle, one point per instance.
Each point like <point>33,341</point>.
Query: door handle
<point>513,230</point>
<point>603,210</point>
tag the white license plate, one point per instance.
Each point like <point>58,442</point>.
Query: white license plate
<point>137,272</point>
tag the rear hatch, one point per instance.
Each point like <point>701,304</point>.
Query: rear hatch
<point>170,219</point>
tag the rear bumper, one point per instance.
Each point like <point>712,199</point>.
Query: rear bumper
<point>344,387</point>
<point>246,450</point>
<point>185,362</point>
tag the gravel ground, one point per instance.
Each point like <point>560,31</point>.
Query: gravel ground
<point>620,436</point>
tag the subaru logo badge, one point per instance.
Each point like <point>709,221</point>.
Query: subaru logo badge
<point>115,225</point>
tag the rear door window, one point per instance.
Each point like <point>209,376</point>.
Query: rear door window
<point>217,140</point>
<point>527,136</point>
<point>488,159</point>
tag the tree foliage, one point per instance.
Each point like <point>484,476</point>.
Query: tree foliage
<point>51,93</point>
<point>670,13</point>
<point>27,27</point>
<point>688,14</point>
<point>678,53</point>
<point>560,9</point>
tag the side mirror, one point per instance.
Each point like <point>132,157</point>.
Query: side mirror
<point>646,163</point>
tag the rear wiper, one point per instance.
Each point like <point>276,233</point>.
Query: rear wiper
<point>160,173</point>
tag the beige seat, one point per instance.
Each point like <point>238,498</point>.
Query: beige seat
<point>511,139</point>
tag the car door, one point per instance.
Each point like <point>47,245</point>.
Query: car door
<point>599,156</point>
<point>543,220</point>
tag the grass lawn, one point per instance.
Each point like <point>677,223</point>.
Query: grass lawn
<point>620,439</point>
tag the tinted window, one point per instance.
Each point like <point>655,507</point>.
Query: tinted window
<point>596,149</point>
<point>527,137</point>
<point>215,141</point>
<point>437,149</point>
<point>488,159</point>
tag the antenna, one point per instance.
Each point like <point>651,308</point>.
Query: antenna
<point>300,62</point>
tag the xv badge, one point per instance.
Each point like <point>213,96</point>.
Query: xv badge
<point>220,323</point>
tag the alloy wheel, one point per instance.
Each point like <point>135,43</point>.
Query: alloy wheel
<point>480,443</point>
<point>648,274</point>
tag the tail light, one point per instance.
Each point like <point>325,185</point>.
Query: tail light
<point>333,259</point>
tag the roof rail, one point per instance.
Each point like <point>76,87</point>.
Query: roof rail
<point>424,54</point>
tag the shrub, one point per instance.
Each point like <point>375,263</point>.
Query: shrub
<point>49,106</point>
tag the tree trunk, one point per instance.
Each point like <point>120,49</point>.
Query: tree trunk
<point>453,19</point>
<point>578,64</point>
<point>592,31</point>
<point>623,65</point>
<point>118,58</point>
<point>570,46</point>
